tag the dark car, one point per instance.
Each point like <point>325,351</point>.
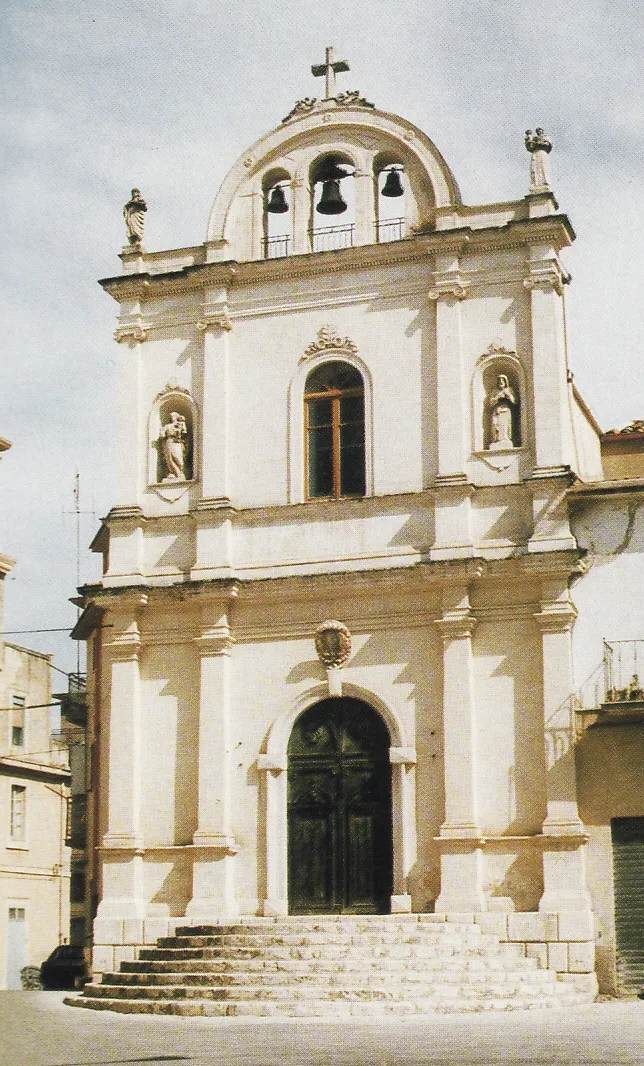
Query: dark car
<point>64,969</point>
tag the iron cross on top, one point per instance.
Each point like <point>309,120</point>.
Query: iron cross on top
<point>329,69</point>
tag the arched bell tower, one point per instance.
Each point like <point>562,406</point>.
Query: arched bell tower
<point>337,173</point>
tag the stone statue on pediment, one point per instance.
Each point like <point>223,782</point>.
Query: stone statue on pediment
<point>539,147</point>
<point>173,439</point>
<point>502,402</point>
<point>134,215</point>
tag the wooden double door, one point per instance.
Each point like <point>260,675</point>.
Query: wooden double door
<point>339,810</point>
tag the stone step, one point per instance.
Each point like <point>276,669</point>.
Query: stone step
<point>437,991</point>
<point>332,930</point>
<point>455,963</point>
<point>335,1009</point>
<point>326,951</point>
<point>351,978</point>
<point>265,942</point>
<point>328,966</point>
<point>380,922</point>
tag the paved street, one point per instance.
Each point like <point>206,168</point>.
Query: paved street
<point>37,1029</point>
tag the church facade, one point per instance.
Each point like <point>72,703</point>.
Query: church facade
<point>331,650</point>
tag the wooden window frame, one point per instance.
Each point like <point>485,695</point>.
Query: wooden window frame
<point>335,395</point>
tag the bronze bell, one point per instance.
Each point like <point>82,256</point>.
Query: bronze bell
<point>331,202</point>
<point>277,204</point>
<point>393,184</point>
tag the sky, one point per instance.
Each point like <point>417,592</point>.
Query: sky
<point>166,94</point>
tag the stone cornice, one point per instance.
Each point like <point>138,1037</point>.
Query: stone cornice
<point>553,230</point>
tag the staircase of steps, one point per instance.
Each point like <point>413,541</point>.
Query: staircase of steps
<point>327,967</point>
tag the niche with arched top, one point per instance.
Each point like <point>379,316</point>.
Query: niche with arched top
<point>333,202</point>
<point>391,189</point>
<point>499,403</point>
<point>277,201</point>
<point>173,435</point>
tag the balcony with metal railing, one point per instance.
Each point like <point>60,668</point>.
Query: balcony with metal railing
<point>614,692</point>
<point>73,703</point>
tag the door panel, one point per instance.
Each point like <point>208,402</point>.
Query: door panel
<point>628,873</point>
<point>339,810</point>
<point>16,946</point>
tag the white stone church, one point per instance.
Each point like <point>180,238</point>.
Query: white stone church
<point>332,648</point>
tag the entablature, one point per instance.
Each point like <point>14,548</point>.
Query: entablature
<point>554,231</point>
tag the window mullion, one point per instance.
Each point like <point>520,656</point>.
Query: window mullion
<point>335,409</point>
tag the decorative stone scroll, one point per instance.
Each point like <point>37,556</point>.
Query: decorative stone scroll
<point>329,340</point>
<point>309,104</point>
<point>333,647</point>
<point>216,320</point>
<point>129,333</point>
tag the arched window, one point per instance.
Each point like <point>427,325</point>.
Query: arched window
<point>334,429</point>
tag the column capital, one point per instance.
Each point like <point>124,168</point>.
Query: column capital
<point>546,277</point>
<point>558,617</point>
<point>125,648</point>
<point>214,640</point>
<point>449,290</point>
<point>456,626</point>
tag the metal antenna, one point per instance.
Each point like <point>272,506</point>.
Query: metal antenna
<point>77,512</point>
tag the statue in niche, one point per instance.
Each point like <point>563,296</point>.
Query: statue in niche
<point>173,441</point>
<point>539,146</point>
<point>502,402</point>
<point>134,215</point>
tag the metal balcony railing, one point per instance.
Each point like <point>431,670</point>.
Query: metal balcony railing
<point>329,238</point>
<point>623,666</point>
<point>276,247</point>
<point>76,683</point>
<point>390,229</point>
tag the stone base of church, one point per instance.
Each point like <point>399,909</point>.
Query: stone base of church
<point>560,942</point>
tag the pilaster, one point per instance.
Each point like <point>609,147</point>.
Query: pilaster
<point>123,893</point>
<point>213,869</point>
<point>131,421</point>
<point>453,538</point>
<point>552,419</point>
<point>448,291</point>
<point>460,834</point>
<point>215,324</point>
<point>563,857</point>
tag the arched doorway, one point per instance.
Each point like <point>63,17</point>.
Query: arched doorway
<point>339,810</point>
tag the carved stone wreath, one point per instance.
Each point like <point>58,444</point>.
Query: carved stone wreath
<point>332,644</point>
<point>329,339</point>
